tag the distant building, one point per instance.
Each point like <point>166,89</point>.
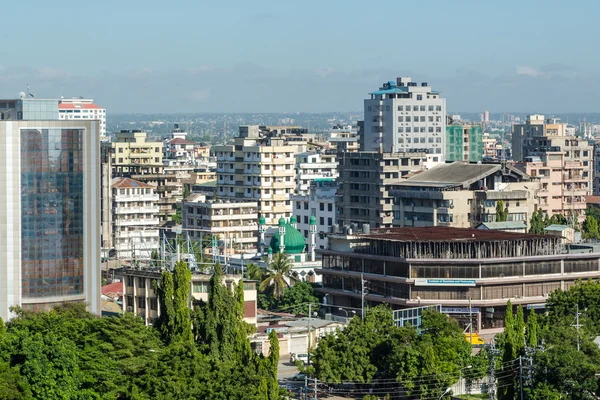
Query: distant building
<point>50,219</point>
<point>464,143</point>
<point>141,299</point>
<point>135,219</point>
<point>463,195</point>
<point>134,155</point>
<point>318,203</point>
<point>486,116</point>
<point>451,267</point>
<point>233,222</point>
<point>313,166</point>
<point>79,108</point>
<point>403,116</point>
<point>344,138</point>
<point>365,180</point>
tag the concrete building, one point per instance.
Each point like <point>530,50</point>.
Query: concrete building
<point>564,184</point>
<point>133,154</point>
<point>344,138</point>
<point>492,150</point>
<point>464,143</point>
<point>486,116</point>
<point>312,166</point>
<point>411,267</point>
<point>141,299</point>
<point>80,108</point>
<point>463,195</point>
<point>365,179</point>
<point>259,166</point>
<point>403,116</point>
<point>319,202</point>
<point>135,219</point>
<point>596,177</point>
<point>50,216</point>
<point>234,222</point>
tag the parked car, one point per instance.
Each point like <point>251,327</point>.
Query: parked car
<point>298,377</point>
<point>300,356</point>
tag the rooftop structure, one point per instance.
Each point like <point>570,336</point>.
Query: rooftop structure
<point>80,108</point>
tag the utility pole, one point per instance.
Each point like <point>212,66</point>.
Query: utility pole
<point>470,323</point>
<point>308,349</point>
<point>492,353</point>
<point>577,325</point>
<point>316,395</point>
<point>363,293</point>
<point>521,377</point>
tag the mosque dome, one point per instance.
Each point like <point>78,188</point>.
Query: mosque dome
<point>294,241</point>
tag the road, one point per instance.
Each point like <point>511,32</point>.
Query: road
<point>286,370</point>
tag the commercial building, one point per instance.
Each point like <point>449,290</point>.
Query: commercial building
<point>564,184</point>
<point>312,166</point>
<point>50,218</point>
<point>319,202</point>
<point>402,116</point>
<point>141,299</point>
<point>135,219</point>
<point>80,108</point>
<point>451,267</point>
<point>234,222</point>
<point>365,180</point>
<point>259,166</point>
<point>463,195</point>
<point>464,143</point>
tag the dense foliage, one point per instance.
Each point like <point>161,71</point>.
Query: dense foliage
<point>70,354</point>
<point>501,211</point>
<point>375,349</point>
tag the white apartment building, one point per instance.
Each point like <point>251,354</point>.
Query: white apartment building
<point>259,166</point>
<point>311,166</point>
<point>234,223</point>
<point>79,108</point>
<point>319,202</point>
<point>344,138</point>
<point>403,116</point>
<point>135,219</point>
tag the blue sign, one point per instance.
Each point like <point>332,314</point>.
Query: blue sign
<point>536,306</point>
<point>459,310</point>
<point>445,282</point>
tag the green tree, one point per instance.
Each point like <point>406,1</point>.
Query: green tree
<point>277,273</point>
<point>537,224</point>
<point>590,228</point>
<point>182,280</point>
<point>501,211</point>
<point>519,330</point>
<point>155,258</point>
<point>558,219</point>
<point>254,272</point>
<point>509,353</point>
<point>297,297</point>
<point>532,329</point>
<point>165,290</point>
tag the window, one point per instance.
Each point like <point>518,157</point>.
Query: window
<point>154,304</point>
<point>419,97</point>
<point>430,129</point>
<point>430,108</point>
<point>438,129</point>
<point>438,108</point>
<point>200,287</point>
<point>130,281</point>
<point>400,140</point>
<point>408,129</point>
<point>422,108</point>
<point>306,205</point>
<point>408,119</point>
<point>400,129</point>
<point>322,220</point>
<point>306,219</point>
<point>298,206</point>
<point>141,302</point>
<point>400,108</point>
<point>329,207</point>
<point>422,118</point>
<point>142,283</point>
<point>415,108</point>
<point>322,206</point>
<point>400,119</point>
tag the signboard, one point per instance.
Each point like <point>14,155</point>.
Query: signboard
<point>444,282</point>
<point>536,306</point>
<point>459,310</point>
<point>283,329</point>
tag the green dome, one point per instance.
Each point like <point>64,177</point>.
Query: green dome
<point>262,220</point>
<point>294,241</point>
<point>270,251</point>
<point>313,220</point>
<point>293,220</point>
<point>281,221</point>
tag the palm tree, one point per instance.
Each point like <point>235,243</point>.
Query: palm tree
<point>278,270</point>
<point>254,272</point>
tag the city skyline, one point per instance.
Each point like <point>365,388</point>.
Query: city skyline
<point>313,57</point>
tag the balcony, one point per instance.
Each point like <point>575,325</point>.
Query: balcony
<point>137,222</point>
<point>136,197</point>
<point>135,210</point>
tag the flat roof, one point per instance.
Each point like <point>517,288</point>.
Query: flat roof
<point>444,234</point>
<point>454,174</point>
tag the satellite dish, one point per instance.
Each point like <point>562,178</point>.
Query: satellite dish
<point>21,95</point>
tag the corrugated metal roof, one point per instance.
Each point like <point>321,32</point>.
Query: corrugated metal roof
<point>503,225</point>
<point>445,234</point>
<point>556,227</point>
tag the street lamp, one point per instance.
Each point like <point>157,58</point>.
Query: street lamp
<point>445,393</point>
<point>344,310</point>
<point>460,382</point>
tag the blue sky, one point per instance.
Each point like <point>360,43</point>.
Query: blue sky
<point>313,56</point>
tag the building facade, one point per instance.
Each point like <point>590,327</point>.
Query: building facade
<point>451,267</point>
<point>344,138</point>
<point>312,166</point>
<point>320,202</point>
<point>79,108</point>
<point>133,154</point>
<point>50,219</point>
<point>403,116</point>
<point>135,219</point>
<point>464,143</point>
<point>233,222</point>
<point>141,299</point>
<point>464,195</point>
<point>365,180</point>
<point>259,168</point>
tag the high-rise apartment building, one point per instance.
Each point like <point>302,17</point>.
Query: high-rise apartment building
<point>403,116</point>
<point>259,166</point>
<point>135,219</point>
<point>49,223</point>
<point>80,108</point>
<point>464,143</point>
<point>313,166</point>
<point>318,203</point>
<point>365,180</point>
<point>133,154</point>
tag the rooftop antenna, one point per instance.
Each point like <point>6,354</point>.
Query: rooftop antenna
<point>29,94</point>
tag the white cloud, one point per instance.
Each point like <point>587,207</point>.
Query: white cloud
<point>528,71</point>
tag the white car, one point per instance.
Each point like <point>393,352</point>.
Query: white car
<point>300,356</point>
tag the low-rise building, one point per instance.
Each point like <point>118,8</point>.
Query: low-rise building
<point>235,223</point>
<point>451,267</point>
<point>344,139</point>
<point>506,226</point>
<point>134,218</point>
<point>463,195</point>
<point>141,299</point>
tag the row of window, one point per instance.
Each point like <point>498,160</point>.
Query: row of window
<point>420,140</point>
<point>417,118</point>
<point>417,129</point>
